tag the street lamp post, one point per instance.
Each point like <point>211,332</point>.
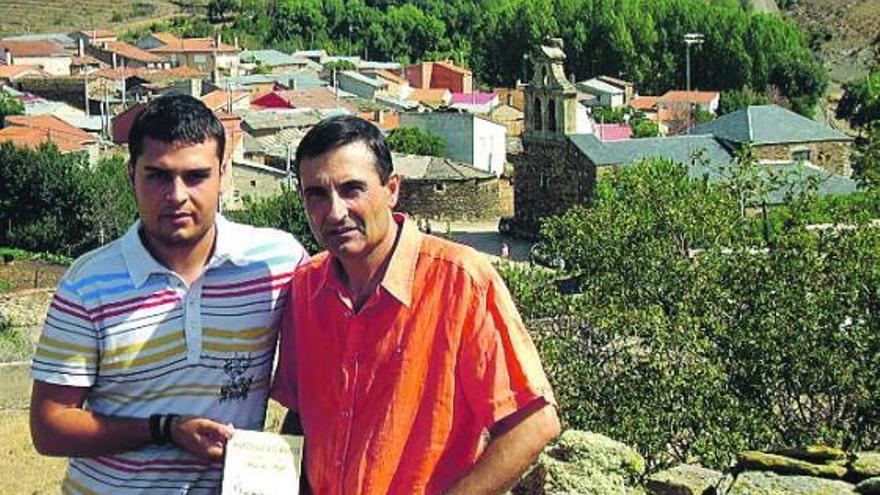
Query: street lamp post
<point>690,39</point>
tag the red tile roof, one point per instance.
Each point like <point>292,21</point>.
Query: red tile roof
<point>86,60</point>
<point>430,96</point>
<point>173,44</point>
<point>16,71</point>
<point>97,33</point>
<point>51,125</point>
<point>132,52</point>
<point>216,100</point>
<point>320,98</point>
<point>32,138</point>
<point>644,102</point>
<point>38,48</point>
<point>699,97</point>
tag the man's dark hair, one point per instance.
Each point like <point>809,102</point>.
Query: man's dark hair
<point>341,130</point>
<point>178,119</point>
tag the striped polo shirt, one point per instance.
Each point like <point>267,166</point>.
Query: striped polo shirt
<point>146,343</point>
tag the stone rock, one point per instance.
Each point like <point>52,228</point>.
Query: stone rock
<point>870,486</point>
<point>683,480</point>
<point>760,461</point>
<point>764,483</point>
<point>584,464</point>
<point>814,453</point>
<point>865,465</point>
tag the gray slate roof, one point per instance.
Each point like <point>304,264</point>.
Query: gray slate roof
<point>433,168</point>
<point>304,80</point>
<point>357,76</point>
<point>679,149</point>
<point>714,163</point>
<point>267,119</point>
<point>768,124</point>
<point>271,58</point>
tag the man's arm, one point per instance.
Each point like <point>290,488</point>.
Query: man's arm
<point>60,427</point>
<point>510,453</point>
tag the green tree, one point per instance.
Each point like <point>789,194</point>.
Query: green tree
<point>738,99</point>
<point>283,211</point>
<point>415,141</point>
<point>10,105</point>
<point>678,297</point>
<point>644,128</point>
<point>861,100</point>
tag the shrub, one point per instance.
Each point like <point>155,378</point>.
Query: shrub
<point>415,141</point>
<point>693,337</point>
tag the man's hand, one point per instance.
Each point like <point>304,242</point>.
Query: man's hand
<point>511,451</point>
<point>201,437</point>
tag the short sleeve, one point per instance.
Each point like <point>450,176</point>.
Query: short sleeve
<point>499,367</point>
<point>284,380</point>
<point>67,352</point>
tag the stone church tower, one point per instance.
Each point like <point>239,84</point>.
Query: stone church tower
<point>551,174</point>
<point>551,99</point>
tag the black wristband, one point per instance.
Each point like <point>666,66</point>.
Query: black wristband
<point>166,430</point>
<point>156,429</point>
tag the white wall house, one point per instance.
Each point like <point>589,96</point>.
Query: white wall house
<point>469,138</point>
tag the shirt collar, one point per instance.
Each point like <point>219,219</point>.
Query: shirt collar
<point>398,278</point>
<point>141,264</point>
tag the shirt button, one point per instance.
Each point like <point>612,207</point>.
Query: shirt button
<point>346,413</point>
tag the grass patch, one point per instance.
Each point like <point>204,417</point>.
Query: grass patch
<point>21,254</point>
<point>38,16</point>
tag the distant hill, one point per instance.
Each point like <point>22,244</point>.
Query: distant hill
<point>61,16</point>
<point>847,32</point>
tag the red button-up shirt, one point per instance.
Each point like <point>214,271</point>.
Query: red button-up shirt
<point>397,397</point>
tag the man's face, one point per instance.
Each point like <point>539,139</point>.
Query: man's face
<point>177,187</point>
<point>349,208</point>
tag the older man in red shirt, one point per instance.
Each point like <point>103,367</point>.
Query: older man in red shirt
<point>404,361</point>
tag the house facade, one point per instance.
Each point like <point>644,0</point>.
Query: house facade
<point>49,56</point>
<point>470,139</point>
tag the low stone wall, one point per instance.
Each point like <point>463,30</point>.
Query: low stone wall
<point>592,464</point>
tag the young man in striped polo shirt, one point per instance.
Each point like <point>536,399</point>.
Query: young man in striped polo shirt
<point>159,344</point>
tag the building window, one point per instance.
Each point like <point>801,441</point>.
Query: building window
<point>537,116</point>
<point>236,194</point>
<point>439,187</point>
<point>253,183</point>
<point>551,116</point>
<point>544,181</point>
<point>800,155</point>
<point>200,59</point>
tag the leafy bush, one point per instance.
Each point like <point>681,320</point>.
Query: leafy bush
<point>693,337</point>
<point>283,211</point>
<point>415,141</point>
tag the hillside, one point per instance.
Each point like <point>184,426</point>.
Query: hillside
<point>847,33</point>
<point>42,16</point>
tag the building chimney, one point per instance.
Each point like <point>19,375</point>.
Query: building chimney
<point>7,56</point>
<point>236,42</point>
<point>113,57</point>
<point>293,84</point>
<point>217,41</point>
<point>81,47</point>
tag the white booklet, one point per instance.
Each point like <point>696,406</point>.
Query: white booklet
<point>262,463</point>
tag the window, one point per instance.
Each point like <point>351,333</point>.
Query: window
<point>551,116</point>
<point>537,116</point>
<point>253,183</point>
<point>200,59</point>
<point>439,187</point>
<point>800,155</point>
<point>236,194</point>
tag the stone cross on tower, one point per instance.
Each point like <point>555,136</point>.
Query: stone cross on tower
<point>550,98</point>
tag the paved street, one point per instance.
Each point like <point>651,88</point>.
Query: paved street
<point>484,237</point>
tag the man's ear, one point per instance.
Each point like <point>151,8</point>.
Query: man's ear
<point>395,181</point>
